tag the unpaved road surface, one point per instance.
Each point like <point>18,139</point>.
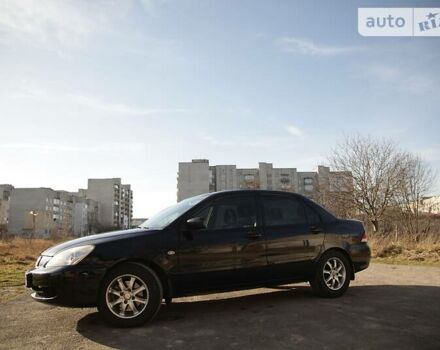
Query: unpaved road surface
<point>387,307</point>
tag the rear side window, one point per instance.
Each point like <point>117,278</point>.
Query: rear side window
<point>280,211</point>
<point>312,216</point>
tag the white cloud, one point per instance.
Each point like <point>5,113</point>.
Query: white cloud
<point>30,91</point>
<point>217,142</point>
<point>151,7</point>
<point>69,26</point>
<point>431,154</point>
<point>48,22</point>
<point>397,78</point>
<point>56,147</point>
<point>260,141</point>
<point>118,108</point>
<point>294,131</point>
<point>308,47</point>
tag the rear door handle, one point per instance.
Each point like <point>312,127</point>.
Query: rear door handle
<point>315,230</point>
<point>253,234</point>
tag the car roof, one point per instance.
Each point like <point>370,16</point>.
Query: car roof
<point>323,212</point>
<point>255,191</point>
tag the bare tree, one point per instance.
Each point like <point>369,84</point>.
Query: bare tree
<point>376,167</point>
<point>336,194</point>
<point>418,179</point>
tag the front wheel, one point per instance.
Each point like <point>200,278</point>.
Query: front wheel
<point>332,275</point>
<point>130,295</point>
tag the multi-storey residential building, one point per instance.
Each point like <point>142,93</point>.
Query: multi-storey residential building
<point>126,207</point>
<point>40,211</point>
<point>135,222</point>
<point>115,199</point>
<point>86,216</point>
<point>194,178</point>
<point>198,177</point>
<point>430,205</point>
<point>105,204</point>
<point>5,195</point>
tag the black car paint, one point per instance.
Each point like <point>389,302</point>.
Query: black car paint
<point>189,262</point>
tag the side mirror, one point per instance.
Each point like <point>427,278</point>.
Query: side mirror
<point>196,223</point>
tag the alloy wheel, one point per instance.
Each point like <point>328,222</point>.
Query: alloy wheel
<point>334,273</point>
<point>127,296</point>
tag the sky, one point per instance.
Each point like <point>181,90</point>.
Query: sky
<point>128,89</point>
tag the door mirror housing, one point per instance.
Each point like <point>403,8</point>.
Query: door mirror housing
<point>196,223</point>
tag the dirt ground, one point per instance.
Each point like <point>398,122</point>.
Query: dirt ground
<point>388,307</point>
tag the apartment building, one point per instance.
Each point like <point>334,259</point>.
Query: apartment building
<point>40,211</point>
<point>105,205</point>
<point>430,205</point>
<point>115,200</point>
<point>5,196</point>
<point>44,211</point>
<point>86,216</point>
<point>198,177</point>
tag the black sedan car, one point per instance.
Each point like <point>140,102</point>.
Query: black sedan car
<point>212,242</point>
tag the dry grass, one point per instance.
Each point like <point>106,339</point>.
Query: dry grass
<point>16,256</point>
<point>406,249</point>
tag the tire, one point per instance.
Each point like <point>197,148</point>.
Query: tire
<point>134,302</point>
<point>332,275</point>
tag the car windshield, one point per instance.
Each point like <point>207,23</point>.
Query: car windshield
<point>168,215</point>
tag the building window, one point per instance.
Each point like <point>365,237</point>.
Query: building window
<point>285,183</point>
<point>249,178</point>
<point>308,184</point>
<point>285,180</point>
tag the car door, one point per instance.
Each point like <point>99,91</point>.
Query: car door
<point>292,242</point>
<point>229,251</point>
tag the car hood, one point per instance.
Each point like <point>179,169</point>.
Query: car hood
<point>97,239</point>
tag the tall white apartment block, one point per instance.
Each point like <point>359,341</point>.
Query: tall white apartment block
<point>115,199</point>
<point>197,177</point>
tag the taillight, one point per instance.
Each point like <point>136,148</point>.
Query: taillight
<point>364,237</point>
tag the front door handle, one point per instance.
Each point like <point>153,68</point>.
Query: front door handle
<point>253,234</point>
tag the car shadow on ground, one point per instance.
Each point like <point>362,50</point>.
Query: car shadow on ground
<point>366,316</point>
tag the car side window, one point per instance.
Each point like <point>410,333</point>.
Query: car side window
<point>206,214</point>
<point>312,216</point>
<point>280,211</point>
<point>230,212</point>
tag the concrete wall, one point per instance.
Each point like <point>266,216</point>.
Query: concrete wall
<point>193,179</point>
<point>308,189</point>
<point>5,197</point>
<point>39,200</point>
<point>226,177</point>
<point>248,178</point>
<point>107,193</point>
<point>198,177</point>
<point>80,222</point>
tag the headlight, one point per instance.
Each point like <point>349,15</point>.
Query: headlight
<point>70,256</point>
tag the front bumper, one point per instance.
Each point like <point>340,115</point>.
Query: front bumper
<point>76,286</point>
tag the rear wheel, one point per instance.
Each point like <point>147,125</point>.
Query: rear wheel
<point>130,295</point>
<point>332,275</point>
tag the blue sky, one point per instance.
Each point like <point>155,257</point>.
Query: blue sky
<point>129,88</point>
